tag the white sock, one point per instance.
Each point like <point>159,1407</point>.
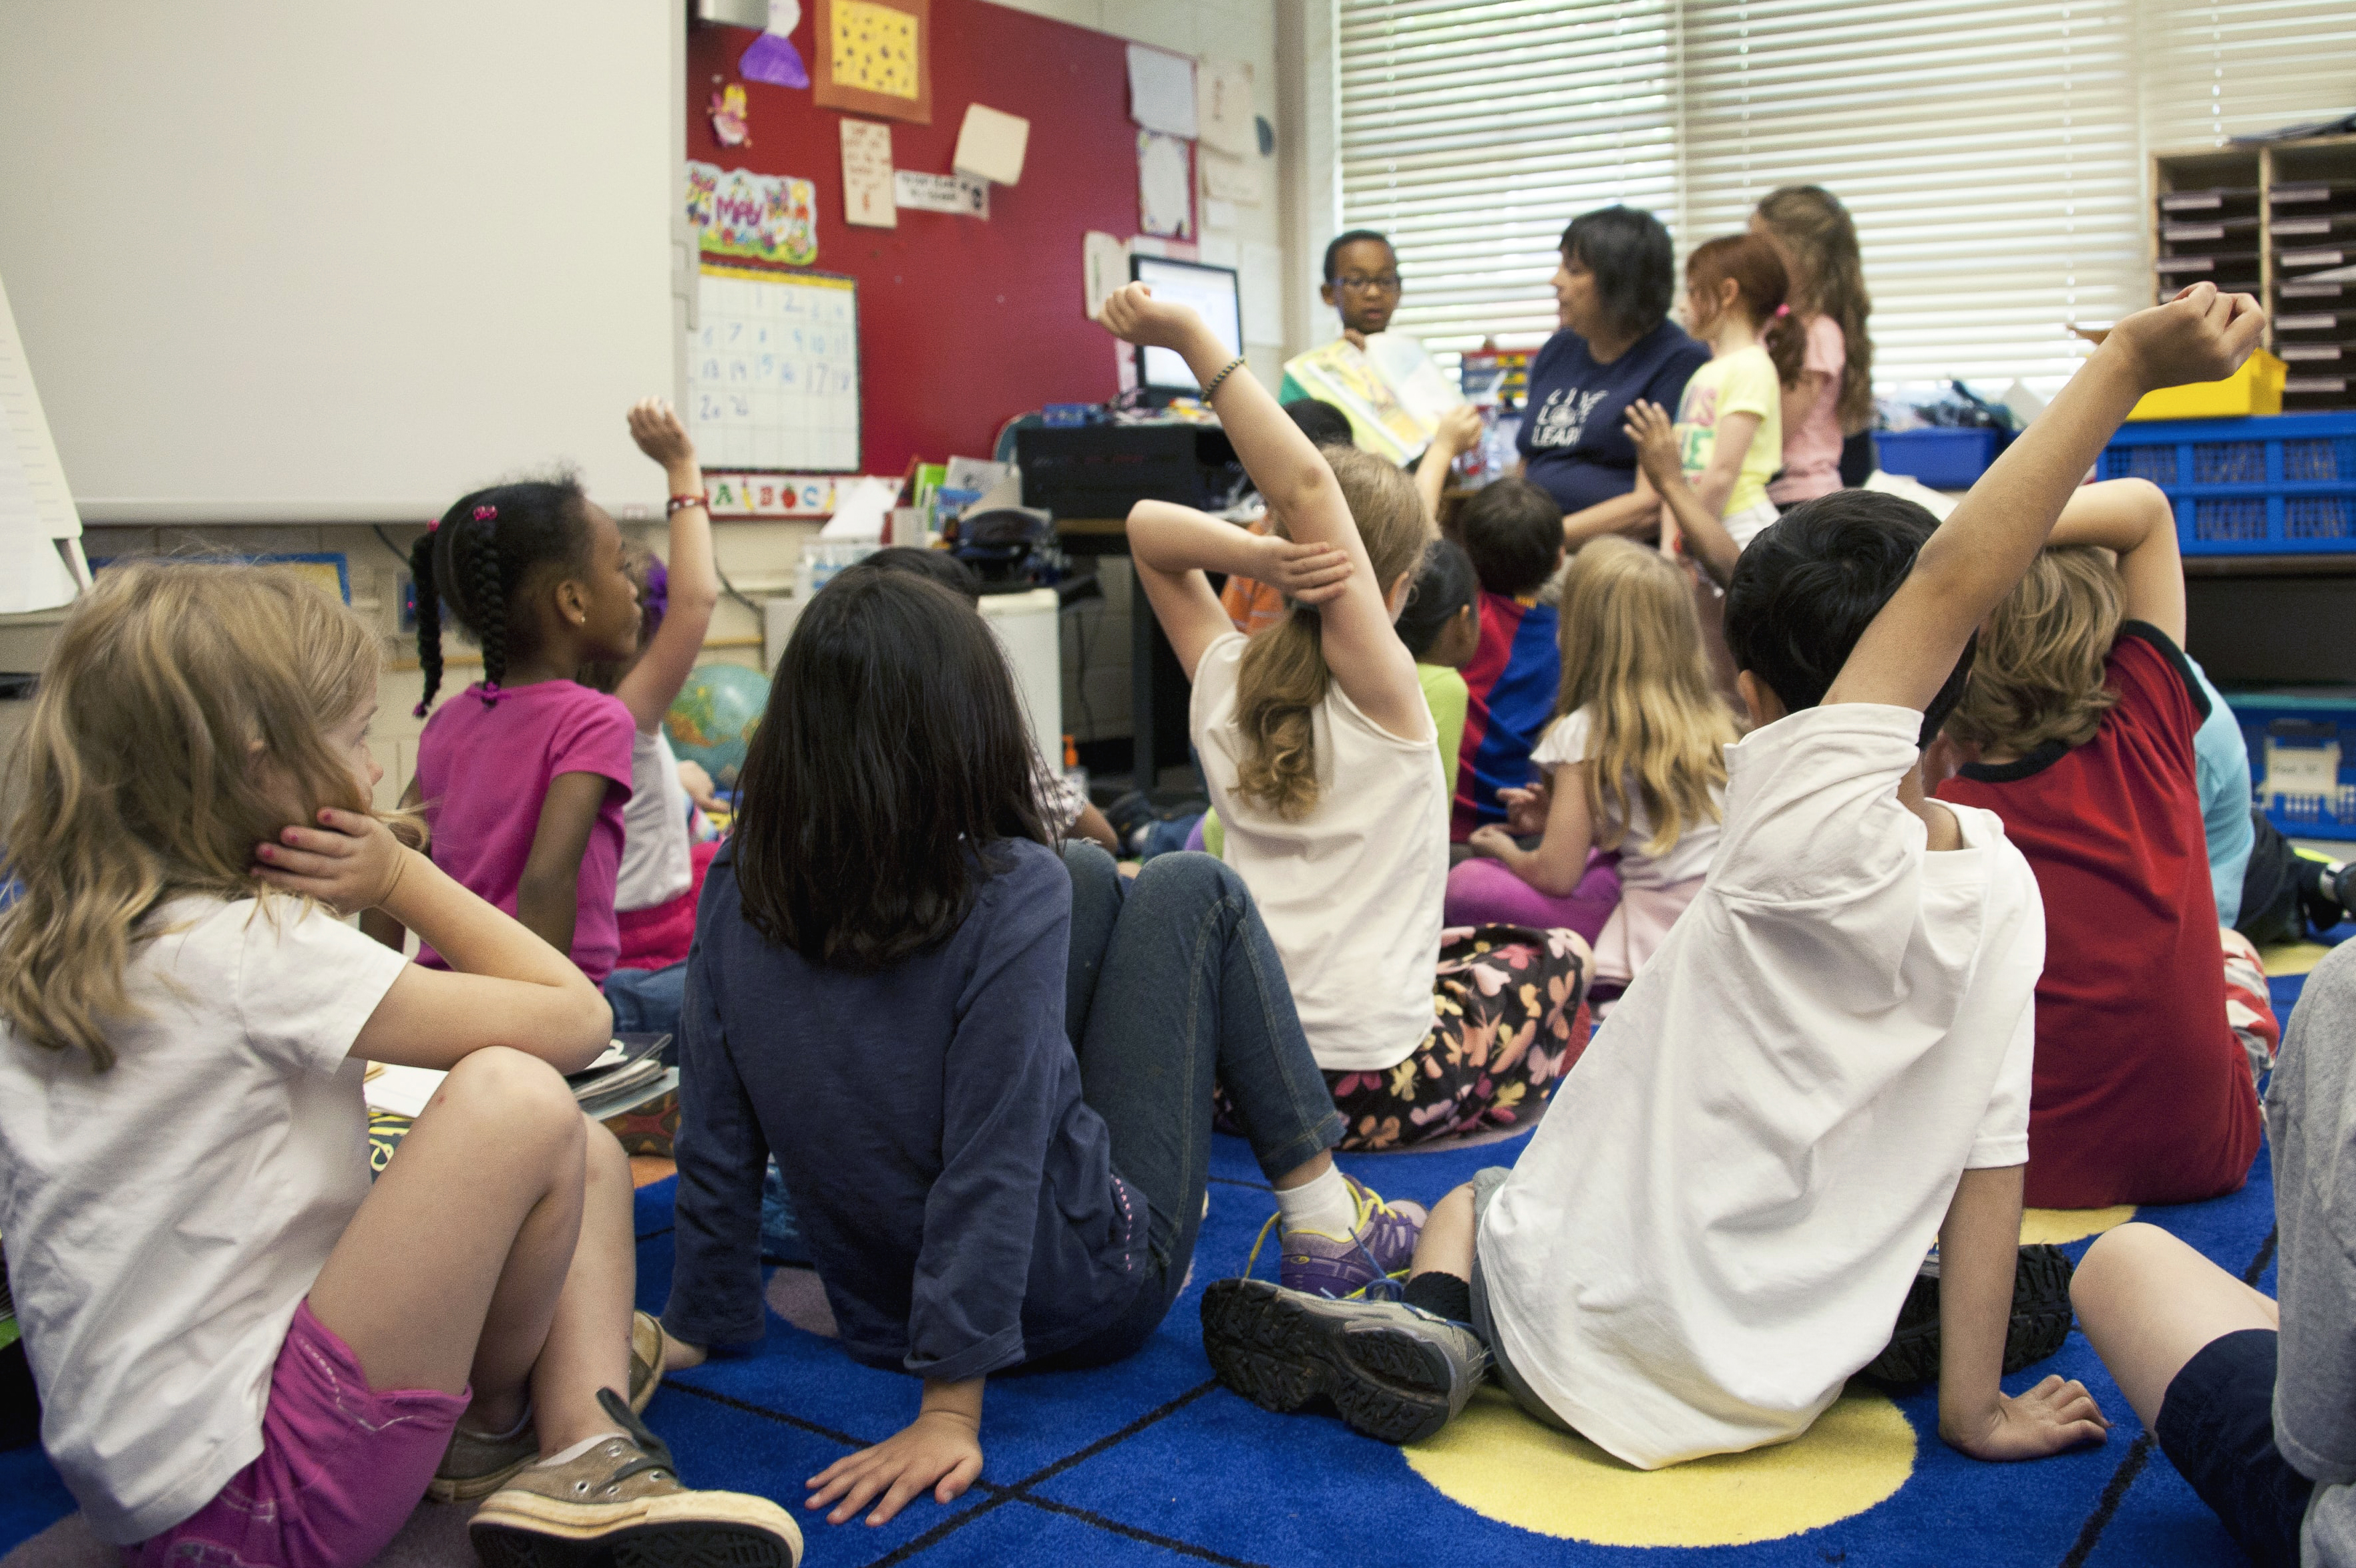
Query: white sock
<point>582,1447</point>
<point>1322,1204</point>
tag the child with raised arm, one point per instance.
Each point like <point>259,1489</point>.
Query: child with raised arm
<point>246,1352</point>
<point>1826,1067</point>
<point>2153,1024</point>
<point>1321,756</point>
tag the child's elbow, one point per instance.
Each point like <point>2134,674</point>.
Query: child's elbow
<point>583,1031</point>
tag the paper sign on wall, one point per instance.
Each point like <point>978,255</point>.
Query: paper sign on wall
<point>1229,179</point>
<point>960,193</point>
<point>867,197</point>
<point>1164,185</point>
<point>1223,105</point>
<point>1162,90</point>
<point>990,144</point>
<point>767,217</point>
<point>1104,267</point>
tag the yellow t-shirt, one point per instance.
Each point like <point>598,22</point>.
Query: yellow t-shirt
<point>1742,382</point>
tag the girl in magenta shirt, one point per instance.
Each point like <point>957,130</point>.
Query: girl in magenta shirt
<point>522,776</point>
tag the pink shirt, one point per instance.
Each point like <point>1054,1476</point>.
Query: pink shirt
<point>1812,446</point>
<point>482,769</point>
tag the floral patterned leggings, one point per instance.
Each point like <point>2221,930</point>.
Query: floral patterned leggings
<point>1511,1006</point>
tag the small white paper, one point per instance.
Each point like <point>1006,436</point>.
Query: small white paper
<point>1218,214</point>
<point>1104,267</point>
<point>1162,90</point>
<point>404,1090</point>
<point>990,144</point>
<point>867,198</point>
<point>1226,178</point>
<point>1260,282</point>
<point>40,533</point>
<point>859,509</point>
<point>1164,197</point>
<point>960,193</point>
<point>1223,105</point>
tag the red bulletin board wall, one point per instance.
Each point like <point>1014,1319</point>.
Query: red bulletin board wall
<point>963,322</point>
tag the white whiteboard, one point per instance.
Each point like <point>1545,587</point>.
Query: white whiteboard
<point>331,263</point>
<point>773,371</point>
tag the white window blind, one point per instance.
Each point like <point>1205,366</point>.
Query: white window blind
<point>1994,154</point>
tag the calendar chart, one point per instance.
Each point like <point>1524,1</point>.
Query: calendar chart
<point>773,371</point>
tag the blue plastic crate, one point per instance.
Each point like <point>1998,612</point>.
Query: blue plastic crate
<point>2302,757</point>
<point>1941,457</point>
<point>2274,485</point>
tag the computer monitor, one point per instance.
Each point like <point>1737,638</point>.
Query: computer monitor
<point>1210,290</point>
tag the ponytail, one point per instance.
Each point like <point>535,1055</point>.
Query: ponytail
<point>429,616</point>
<point>1786,342</point>
<point>1765,287</point>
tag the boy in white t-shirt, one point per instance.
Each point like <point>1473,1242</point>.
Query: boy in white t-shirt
<point>1826,1067</point>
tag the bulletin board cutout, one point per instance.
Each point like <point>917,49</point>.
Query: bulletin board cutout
<point>773,371</point>
<point>875,57</point>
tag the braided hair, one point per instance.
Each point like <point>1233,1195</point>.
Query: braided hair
<point>477,559</point>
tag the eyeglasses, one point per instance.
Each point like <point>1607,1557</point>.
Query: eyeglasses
<point>1358,283</point>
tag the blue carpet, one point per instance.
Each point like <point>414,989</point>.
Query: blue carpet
<point>1150,1462</point>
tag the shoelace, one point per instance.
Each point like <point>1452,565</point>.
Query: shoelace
<point>1385,1286</point>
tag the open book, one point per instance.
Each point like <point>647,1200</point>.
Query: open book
<point>1392,392</point>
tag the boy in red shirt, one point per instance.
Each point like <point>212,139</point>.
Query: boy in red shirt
<point>2077,731</point>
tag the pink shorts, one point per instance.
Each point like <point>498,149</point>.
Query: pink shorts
<point>341,1467</point>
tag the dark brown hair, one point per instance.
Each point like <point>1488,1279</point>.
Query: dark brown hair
<point>1829,279</point>
<point>1763,284</point>
<point>891,766</point>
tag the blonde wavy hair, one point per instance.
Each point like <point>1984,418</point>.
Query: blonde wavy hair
<point>180,721</point>
<point>1633,657</point>
<point>2039,674</point>
<point>1283,676</point>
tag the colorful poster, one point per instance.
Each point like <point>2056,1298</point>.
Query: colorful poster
<point>761,218</point>
<point>874,48</point>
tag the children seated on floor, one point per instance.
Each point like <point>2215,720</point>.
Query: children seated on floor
<point>1634,761</point>
<point>246,1352</point>
<point>985,1070</point>
<point>2078,732</point>
<point>1321,754</point>
<point>523,776</point>
<point>1825,1068</point>
<point>1512,531</point>
<point>2254,1401</point>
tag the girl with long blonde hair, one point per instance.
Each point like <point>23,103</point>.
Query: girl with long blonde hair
<point>246,1351</point>
<point>1321,757</point>
<point>1634,761</point>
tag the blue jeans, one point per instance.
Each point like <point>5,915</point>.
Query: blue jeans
<point>1174,986</point>
<point>647,1001</point>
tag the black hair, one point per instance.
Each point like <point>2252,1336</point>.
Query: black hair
<point>1334,250</point>
<point>476,559</point>
<point>1636,266</point>
<point>1444,586</point>
<point>1512,530</point>
<point>1325,425</point>
<point>890,767</point>
<point>937,565</point>
<point>1806,589</point>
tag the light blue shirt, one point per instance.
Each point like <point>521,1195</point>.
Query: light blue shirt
<point>2220,760</point>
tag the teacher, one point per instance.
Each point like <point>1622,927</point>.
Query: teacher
<point>1617,344</point>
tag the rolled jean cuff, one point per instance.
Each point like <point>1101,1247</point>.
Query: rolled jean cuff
<point>1299,1150</point>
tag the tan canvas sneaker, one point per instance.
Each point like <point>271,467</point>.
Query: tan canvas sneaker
<point>475,1465</point>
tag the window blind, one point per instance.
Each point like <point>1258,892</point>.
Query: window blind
<point>1993,154</point>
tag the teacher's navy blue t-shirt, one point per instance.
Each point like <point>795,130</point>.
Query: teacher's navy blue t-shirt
<point>1571,440</point>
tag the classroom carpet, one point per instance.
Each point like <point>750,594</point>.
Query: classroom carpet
<point>1152,1461</point>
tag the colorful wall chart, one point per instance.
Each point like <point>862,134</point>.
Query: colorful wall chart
<point>875,57</point>
<point>759,217</point>
<point>773,371</point>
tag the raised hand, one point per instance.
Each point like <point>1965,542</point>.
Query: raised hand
<point>1133,315</point>
<point>1459,429</point>
<point>350,863</point>
<point>659,435</point>
<point>1655,436</point>
<point>2200,335</point>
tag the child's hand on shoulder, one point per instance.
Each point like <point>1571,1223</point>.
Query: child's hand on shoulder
<point>1134,316</point>
<point>661,435</point>
<point>1305,574</point>
<point>2054,1415</point>
<point>1655,436</point>
<point>350,863</point>
<point>2201,335</point>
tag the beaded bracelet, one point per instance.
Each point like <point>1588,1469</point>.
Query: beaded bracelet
<point>681,503</point>
<point>1222,376</point>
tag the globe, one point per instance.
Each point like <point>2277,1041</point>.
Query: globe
<point>714,717</point>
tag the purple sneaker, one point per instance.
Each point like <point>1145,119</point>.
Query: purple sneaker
<point>1361,1264</point>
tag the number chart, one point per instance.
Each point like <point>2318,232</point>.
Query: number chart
<point>773,371</point>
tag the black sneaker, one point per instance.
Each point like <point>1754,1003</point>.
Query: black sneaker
<point>1393,1371</point>
<point>2326,892</point>
<point>2040,1321</point>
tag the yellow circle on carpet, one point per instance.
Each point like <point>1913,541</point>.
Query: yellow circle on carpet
<point>2059,1225</point>
<point>1504,1465</point>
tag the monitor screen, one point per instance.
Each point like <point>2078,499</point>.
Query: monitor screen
<point>1210,290</point>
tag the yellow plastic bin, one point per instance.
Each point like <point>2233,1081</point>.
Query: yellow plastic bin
<point>2256,387</point>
